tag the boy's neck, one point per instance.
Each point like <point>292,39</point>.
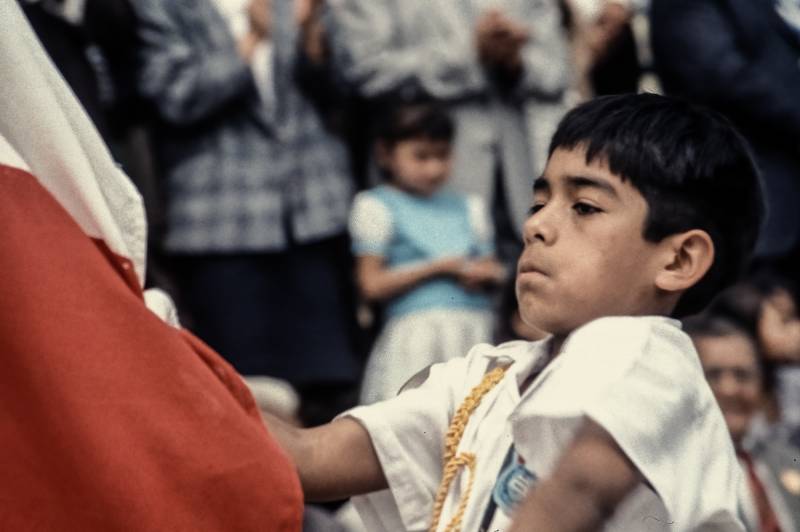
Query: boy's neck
<point>554,349</point>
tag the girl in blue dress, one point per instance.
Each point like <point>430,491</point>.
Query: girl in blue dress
<point>422,250</point>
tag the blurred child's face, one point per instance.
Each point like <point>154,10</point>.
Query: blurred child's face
<point>585,256</point>
<point>732,371</point>
<point>779,327</point>
<point>419,166</point>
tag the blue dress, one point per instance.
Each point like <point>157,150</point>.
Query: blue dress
<point>437,319</point>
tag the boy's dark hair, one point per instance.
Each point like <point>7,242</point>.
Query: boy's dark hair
<point>691,166</point>
<point>713,325</point>
<point>401,122</point>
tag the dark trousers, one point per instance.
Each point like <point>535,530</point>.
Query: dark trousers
<point>287,315</point>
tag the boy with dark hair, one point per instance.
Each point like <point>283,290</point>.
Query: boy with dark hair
<point>647,207</point>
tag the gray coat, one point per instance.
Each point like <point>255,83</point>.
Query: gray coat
<point>237,173</point>
<point>426,48</point>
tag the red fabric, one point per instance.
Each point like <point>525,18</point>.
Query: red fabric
<point>768,521</point>
<point>111,419</point>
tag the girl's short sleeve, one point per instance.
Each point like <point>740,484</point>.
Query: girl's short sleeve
<point>370,225</point>
<point>481,225</point>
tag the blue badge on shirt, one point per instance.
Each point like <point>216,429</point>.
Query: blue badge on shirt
<point>512,484</point>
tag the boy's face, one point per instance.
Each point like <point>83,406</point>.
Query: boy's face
<point>419,166</point>
<point>585,256</point>
<point>731,367</point>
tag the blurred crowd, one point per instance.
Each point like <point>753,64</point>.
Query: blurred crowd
<point>336,188</point>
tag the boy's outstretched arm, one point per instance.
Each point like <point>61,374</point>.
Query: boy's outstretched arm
<point>589,481</point>
<point>334,461</point>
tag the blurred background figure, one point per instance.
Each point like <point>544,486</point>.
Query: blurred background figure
<point>502,65</point>
<point>257,190</point>
<point>765,306</point>
<point>423,250</point>
<point>743,58</point>
<point>739,378</point>
<point>604,45</point>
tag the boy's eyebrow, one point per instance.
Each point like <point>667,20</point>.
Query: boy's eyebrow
<point>541,184</point>
<point>577,181</point>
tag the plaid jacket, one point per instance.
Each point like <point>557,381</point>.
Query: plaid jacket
<point>238,177</point>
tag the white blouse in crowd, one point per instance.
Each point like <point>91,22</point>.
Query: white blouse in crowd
<point>637,377</point>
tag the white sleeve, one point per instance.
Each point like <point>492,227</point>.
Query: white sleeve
<point>407,433</point>
<point>370,225</point>
<point>481,224</point>
<point>640,379</point>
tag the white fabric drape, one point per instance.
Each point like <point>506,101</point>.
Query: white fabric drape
<point>47,132</point>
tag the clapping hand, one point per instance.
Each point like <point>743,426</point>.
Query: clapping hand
<point>500,40</point>
<point>312,32</point>
<point>260,15</point>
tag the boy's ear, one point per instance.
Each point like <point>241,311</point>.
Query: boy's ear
<point>687,258</point>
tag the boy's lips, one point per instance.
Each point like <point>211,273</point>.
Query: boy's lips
<point>528,266</point>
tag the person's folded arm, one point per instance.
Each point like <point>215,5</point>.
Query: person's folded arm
<point>545,57</point>
<point>185,84</point>
<point>364,37</point>
<point>590,480</point>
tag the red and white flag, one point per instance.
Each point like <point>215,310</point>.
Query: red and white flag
<point>112,419</point>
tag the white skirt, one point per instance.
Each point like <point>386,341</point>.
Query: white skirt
<point>410,343</point>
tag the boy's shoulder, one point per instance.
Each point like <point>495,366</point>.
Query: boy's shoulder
<point>610,361</point>
<point>626,334</point>
<point>609,348</point>
<point>468,370</point>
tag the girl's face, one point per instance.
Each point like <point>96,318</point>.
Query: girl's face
<point>779,327</point>
<point>418,166</point>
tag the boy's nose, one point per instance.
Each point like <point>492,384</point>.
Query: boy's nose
<point>539,226</point>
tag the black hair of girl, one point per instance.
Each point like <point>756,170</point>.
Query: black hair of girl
<point>399,122</point>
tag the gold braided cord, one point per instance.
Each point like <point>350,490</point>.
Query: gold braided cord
<point>453,463</point>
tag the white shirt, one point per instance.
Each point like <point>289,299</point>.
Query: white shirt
<point>639,378</point>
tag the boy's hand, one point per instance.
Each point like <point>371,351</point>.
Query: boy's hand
<point>479,273</point>
<point>591,479</point>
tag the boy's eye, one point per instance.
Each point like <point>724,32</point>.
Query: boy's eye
<point>584,209</point>
<point>535,208</point>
